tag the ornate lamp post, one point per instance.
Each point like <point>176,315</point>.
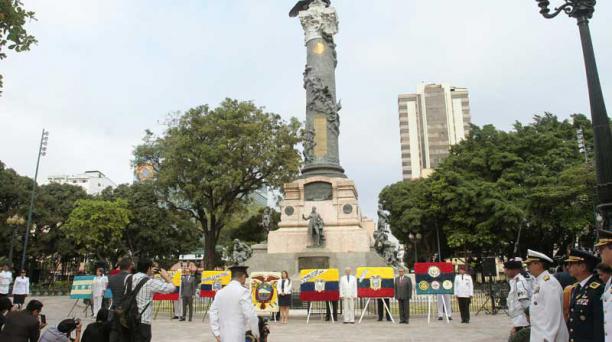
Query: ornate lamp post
<point>583,10</point>
<point>15,221</point>
<point>415,238</point>
<point>42,151</point>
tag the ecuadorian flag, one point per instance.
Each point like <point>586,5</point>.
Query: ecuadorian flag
<point>81,287</point>
<point>213,281</point>
<point>176,280</point>
<point>317,285</point>
<point>375,282</point>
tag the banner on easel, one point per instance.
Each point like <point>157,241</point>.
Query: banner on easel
<point>434,278</point>
<point>375,282</point>
<point>263,291</point>
<point>319,285</point>
<point>81,287</point>
<point>213,281</point>
<point>176,280</point>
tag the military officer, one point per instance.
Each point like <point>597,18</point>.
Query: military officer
<point>546,308</point>
<point>232,312</point>
<point>586,310</point>
<point>604,246</point>
<point>518,297</point>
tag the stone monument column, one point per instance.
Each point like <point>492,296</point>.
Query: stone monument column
<point>320,24</point>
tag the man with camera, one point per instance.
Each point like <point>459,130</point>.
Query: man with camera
<point>145,272</point>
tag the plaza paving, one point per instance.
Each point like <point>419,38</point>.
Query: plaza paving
<point>482,328</point>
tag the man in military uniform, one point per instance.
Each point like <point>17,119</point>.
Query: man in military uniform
<point>545,309</point>
<point>518,296</point>
<point>604,246</point>
<point>586,311</point>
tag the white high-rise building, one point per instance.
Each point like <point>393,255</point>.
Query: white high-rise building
<point>92,181</point>
<point>431,121</point>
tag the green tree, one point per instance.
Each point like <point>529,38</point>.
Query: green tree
<point>13,200</point>
<point>210,160</point>
<point>494,183</point>
<point>154,231</point>
<point>13,35</point>
<point>98,226</point>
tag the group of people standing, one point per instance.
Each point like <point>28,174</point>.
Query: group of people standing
<point>574,305</point>
<point>21,286</point>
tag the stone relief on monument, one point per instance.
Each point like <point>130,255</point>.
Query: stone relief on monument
<point>318,191</point>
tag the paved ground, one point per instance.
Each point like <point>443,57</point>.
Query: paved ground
<point>483,328</point>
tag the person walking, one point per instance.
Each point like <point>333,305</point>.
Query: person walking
<point>145,272</point>
<point>23,326</point>
<point>545,309</point>
<point>284,288</point>
<point>232,313</point>
<point>188,291</point>
<point>403,294</point>
<point>98,287</point>
<point>604,247</point>
<point>348,294</point>
<point>464,291</point>
<point>6,279</point>
<point>21,289</point>
<point>518,296</point>
<point>586,310</point>
<point>116,283</point>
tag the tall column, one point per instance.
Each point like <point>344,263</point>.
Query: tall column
<point>320,24</point>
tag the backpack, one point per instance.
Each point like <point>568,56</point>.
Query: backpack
<point>127,311</point>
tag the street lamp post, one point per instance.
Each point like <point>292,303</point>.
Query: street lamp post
<point>415,238</point>
<point>14,221</point>
<point>42,151</point>
<point>583,10</point>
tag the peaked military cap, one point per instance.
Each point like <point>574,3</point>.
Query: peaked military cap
<point>514,263</point>
<point>537,256</point>
<point>605,238</point>
<point>239,269</point>
<point>577,255</point>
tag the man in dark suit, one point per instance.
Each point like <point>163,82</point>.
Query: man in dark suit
<point>403,293</point>
<point>23,326</point>
<point>116,283</point>
<point>188,291</point>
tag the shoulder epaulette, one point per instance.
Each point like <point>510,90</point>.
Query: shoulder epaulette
<point>595,285</point>
<point>546,277</point>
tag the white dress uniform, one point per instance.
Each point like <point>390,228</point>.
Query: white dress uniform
<point>348,293</point>
<point>232,313</point>
<point>6,278</point>
<point>98,287</point>
<point>518,301</point>
<point>546,311</point>
<point>606,297</point>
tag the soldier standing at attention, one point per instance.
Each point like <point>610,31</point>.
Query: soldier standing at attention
<point>546,307</point>
<point>604,246</point>
<point>586,310</point>
<point>232,312</point>
<point>518,297</point>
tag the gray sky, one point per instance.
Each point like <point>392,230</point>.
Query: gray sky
<point>104,71</point>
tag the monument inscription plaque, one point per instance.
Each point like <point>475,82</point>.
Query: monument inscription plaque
<point>318,191</point>
<point>315,262</point>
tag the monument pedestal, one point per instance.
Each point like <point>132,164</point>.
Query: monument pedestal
<point>348,234</point>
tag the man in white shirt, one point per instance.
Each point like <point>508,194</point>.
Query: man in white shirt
<point>604,247</point>
<point>145,271</point>
<point>348,294</point>
<point>232,313</point>
<point>518,296</point>
<point>6,278</point>
<point>464,291</point>
<point>546,308</point>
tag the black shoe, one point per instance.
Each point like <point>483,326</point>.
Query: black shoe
<point>190,320</point>
<point>403,322</point>
<point>327,319</point>
<point>380,319</point>
<point>182,319</point>
<point>440,318</point>
<point>450,318</point>
<point>175,317</point>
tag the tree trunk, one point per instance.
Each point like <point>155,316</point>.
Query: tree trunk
<point>211,235</point>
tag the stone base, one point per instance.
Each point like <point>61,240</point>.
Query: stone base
<point>312,258</point>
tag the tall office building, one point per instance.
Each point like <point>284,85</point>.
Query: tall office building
<point>431,121</point>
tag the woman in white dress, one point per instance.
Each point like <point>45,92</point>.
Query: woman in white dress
<point>21,289</point>
<point>98,288</point>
